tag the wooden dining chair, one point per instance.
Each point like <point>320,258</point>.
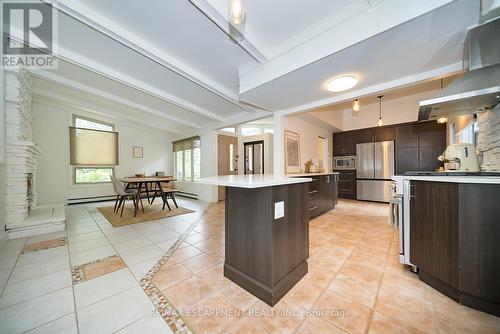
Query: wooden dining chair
<point>169,194</point>
<point>123,194</point>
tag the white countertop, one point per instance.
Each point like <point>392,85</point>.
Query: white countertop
<point>455,179</point>
<point>252,181</point>
<point>311,174</point>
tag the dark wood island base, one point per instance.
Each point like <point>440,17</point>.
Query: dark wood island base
<point>265,255</point>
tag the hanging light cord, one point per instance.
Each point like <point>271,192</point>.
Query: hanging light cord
<point>380,106</point>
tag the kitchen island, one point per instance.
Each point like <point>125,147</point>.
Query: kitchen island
<point>454,236</point>
<point>266,232</point>
<point>322,193</point>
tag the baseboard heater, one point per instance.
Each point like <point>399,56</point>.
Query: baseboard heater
<point>188,195</point>
<point>82,200</point>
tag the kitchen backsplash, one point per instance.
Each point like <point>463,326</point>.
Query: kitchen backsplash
<point>488,143</point>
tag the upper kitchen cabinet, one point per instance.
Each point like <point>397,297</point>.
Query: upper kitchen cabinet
<point>432,134</point>
<point>344,143</point>
<point>384,133</point>
<point>407,135</point>
<point>417,144</point>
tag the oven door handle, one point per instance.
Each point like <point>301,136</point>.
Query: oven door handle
<point>395,210</point>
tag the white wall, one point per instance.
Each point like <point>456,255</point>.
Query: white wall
<point>54,175</point>
<point>308,140</point>
<point>3,233</point>
<point>398,110</point>
<point>268,152</point>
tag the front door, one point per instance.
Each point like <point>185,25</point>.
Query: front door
<point>254,157</point>
<point>227,164</point>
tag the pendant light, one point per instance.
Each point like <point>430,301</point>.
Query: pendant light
<point>237,13</point>
<point>380,122</point>
<point>355,105</point>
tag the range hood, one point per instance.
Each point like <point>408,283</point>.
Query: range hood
<point>479,88</point>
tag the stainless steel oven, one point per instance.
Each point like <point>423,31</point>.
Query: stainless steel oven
<point>400,217</point>
<point>344,163</point>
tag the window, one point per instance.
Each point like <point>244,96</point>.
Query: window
<point>231,157</point>
<point>93,150</point>
<point>269,129</point>
<point>250,131</point>
<point>187,159</point>
<point>231,130</point>
<point>86,123</point>
<point>92,175</point>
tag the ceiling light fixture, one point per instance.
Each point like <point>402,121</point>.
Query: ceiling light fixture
<point>355,105</point>
<point>237,13</point>
<point>380,122</point>
<point>341,84</point>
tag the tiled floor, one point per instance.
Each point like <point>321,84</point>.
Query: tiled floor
<point>102,279</point>
<point>86,280</point>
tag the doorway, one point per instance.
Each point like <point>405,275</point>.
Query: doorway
<point>254,157</point>
<point>227,160</point>
<point>321,153</point>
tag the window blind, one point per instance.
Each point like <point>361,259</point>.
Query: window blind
<point>93,147</point>
<point>186,144</point>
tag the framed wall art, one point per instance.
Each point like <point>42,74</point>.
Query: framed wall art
<point>292,152</point>
<point>138,152</point>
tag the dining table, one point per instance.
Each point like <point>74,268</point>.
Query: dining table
<point>144,181</point>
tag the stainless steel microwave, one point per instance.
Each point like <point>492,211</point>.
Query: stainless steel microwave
<point>344,163</point>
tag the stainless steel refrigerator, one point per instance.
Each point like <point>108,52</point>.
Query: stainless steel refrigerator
<point>375,166</point>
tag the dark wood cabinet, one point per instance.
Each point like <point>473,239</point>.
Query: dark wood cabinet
<point>417,146</point>
<point>363,136</point>
<point>454,235</point>
<point>434,229</point>
<point>406,159</point>
<point>427,157</point>
<point>347,184</point>
<point>322,194</point>
<point>384,133</point>
<point>264,255</point>
<point>407,136</point>
<point>431,134</point>
<point>344,144</point>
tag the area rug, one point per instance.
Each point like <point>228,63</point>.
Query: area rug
<point>151,212</point>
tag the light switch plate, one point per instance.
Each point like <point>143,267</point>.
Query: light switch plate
<point>279,210</point>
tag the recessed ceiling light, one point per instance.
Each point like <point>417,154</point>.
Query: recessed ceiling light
<point>341,84</point>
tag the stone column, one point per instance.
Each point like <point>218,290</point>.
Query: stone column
<point>21,153</point>
<point>488,144</point>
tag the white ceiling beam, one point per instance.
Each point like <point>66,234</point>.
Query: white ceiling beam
<point>380,17</point>
<point>238,119</point>
<point>117,76</point>
<point>219,20</point>
<point>46,75</point>
<point>107,27</point>
<point>57,101</point>
<point>441,72</point>
<point>126,80</point>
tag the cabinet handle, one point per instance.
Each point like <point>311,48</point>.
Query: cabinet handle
<point>313,192</point>
<point>313,208</point>
<point>412,191</point>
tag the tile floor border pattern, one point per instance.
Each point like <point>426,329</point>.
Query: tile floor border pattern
<point>163,306</point>
<point>44,245</point>
<point>78,272</point>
